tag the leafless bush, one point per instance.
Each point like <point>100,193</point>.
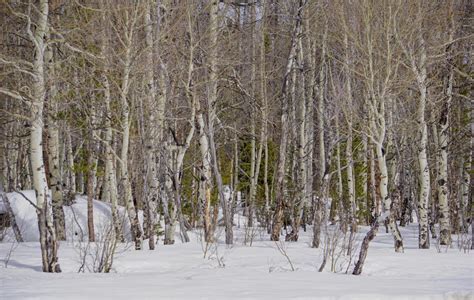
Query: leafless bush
<point>281,247</point>
<point>205,245</point>
<point>464,241</point>
<point>98,256</point>
<point>210,249</point>
<point>10,251</point>
<point>250,234</point>
<point>335,249</point>
<point>214,255</point>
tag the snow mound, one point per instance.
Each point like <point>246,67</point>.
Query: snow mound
<point>75,217</point>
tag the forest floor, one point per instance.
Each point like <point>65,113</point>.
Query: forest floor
<point>242,271</point>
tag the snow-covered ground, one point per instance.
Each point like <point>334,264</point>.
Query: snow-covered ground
<point>259,271</point>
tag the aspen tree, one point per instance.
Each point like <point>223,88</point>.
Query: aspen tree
<point>48,241</point>
<point>280,186</point>
<point>52,130</point>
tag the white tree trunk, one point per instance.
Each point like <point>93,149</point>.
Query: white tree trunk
<point>152,135</point>
<point>71,176</point>
<point>301,197</point>
<point>424,176</point>
<point>110,193</point>
<point>349,156</point>
<point>47,234</point>
<point>125,120</point>
<point>281,167</point>
<point>55,178</point>
<point>443,197</point>
<point>205,176</point>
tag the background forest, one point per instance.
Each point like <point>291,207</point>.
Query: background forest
<point>300,115</point>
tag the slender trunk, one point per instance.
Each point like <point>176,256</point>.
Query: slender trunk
<point>349,155</point>
<point>310,87</point>
<point>322,151</point>
<point>220,187</point>
<point>337,207</point>
<point>424,183</point>
<point>211,116</point>
<point>376,189</point>
<point>264,140</point>
<point>301,159</point>
<point>322,72</point>
<point>55,179</point>
<point>205,176</point>
<point>254,163</point>
<point>385,197</point>
<point>178,171</point>
<point>110,188</point>
<point>125,123</point>
<point>280,177</point>
<point>152,136</point>
<point>70,164</point>
<point>364,248</point>
<point>424,175</point>
<point>47,234</point>
<point>364,176</point>
<point>168,197</point>
<point>253,182</point>
<point>90,192</point>
<point>377,99</point>
<point>320,216</point>
<point>443,197</point>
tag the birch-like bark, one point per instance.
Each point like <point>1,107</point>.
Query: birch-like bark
<point>211,116</point>
<point>253,115</point>
<point>168,203</point>
<point>205,176</point>
<point>320,217</point>
<point>349,155</point>
<point>340,188</point>
<point>365,248</point>
<point>444,215</point>
<point>178,173</point>
<point>152,134</point>
<point>377,121</point>
<point>301,200</point>
<point>71,176</point>
<point>264,140</point>
<point>55,178</point>
<point>125,123</point>
<point>48,242</point>
<point>364,176</point>
<point>280,176</point>
<point>322,73</point>
<point>419,69</point>
<point>256,155</point>
<point>110,171</point>
<point>90,190</point>
<point>310,87</point>
<point>110,184</point>
<point>318,214</point>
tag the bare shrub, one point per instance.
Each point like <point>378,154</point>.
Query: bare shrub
<point>335,250</point>
<point>98,256</point>
<point>250,234</point>
<point>14,244</point>
<point>281,247</point>
<point>464,241</point>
